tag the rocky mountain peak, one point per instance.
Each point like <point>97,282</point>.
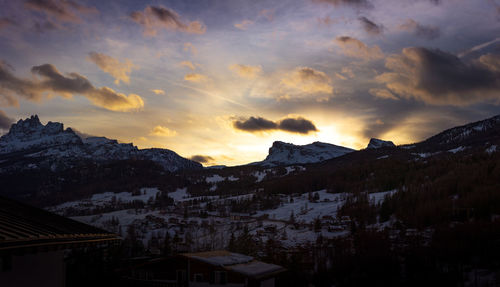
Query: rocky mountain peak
<point>282,153</point>
<point>378,143</point>
<point>51,145</point>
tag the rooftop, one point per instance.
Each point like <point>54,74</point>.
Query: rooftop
<point>24,226</point>
<point>239,263</point>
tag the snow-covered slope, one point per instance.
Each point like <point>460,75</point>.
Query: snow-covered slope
<point>479,131</point>
<point>30,133</point>
<point>286,154</point>
<point>30,144</point>
<point>377,143</point>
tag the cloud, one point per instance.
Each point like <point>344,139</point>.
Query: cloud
<point>348,72</point>
<point>162,131</point>
<point>61,10</point>
<point>245,71</point>
<point>478,47</point>
<point>353,47</point>
<point>158,91</point>
<point>193,77</point>
<point>204,159</point>
<point>254,124</point>
<point>307,80</point>
<point>243,25</point>
<point>267,13</point>
<point>258,124</point>
<point>327,21</point>
<point>383,94</point>
<point>188,47</point>
<point>188,64</point>
<point>5,121</point>
<point>154,18</point>
<point>49,81</point>
<point>5,22</point>
<point>441,78</point>
<point>427,32</point>
<point>370,27</point>
<point>81,134</point>
<point>298,125</point>
<point>352,3</point>
<point>119,70</point>
<point>491,61</point>
<point>42,27</point>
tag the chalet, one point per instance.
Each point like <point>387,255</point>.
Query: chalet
<point>211,268</point>
<point>34,244</point>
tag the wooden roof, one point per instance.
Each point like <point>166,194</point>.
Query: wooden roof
<point>24,226</point>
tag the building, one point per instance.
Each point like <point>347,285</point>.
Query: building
<point>34,244</point>
<point>212,268</point>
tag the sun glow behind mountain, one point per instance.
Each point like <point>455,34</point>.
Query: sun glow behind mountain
<point>225,79</point>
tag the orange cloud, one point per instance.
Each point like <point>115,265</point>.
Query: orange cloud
<point>243,25</point>
<point>188,64</point>
<point>245,71</point>
<point>307,80</point>
<point>158,91</point>
<point>119,70</point>
<point>154,18</point>
<point>353,47</point>
<point>50,80</point>
<point>162,131</point>
<point>195,77</point>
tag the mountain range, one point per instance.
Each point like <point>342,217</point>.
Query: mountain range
<point>30,145</point>
<point>47,164</point>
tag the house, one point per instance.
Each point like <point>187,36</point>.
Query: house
<point>211,268</point>
<point>34,244</point>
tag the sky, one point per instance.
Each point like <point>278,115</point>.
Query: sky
<point>220,81</point>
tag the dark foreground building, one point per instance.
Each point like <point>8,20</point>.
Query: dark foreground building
<point>212,268</point>
<point>35,245</point>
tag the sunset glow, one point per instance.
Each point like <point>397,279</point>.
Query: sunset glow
<point>225,79</point>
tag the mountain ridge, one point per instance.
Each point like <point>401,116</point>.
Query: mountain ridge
<point>34,145</point>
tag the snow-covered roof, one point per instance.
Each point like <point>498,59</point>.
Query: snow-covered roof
<point>220,257</point>
<point>239,263</point>
<point>256,268</point>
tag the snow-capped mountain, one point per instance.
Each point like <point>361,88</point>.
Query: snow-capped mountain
<point>30,133</point>
<point>30,144</point>
<point>474,133</point>
<point>286,154</point>
<point>377,143</point>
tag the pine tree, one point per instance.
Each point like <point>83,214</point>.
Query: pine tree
<point>167,244</point>
<point>232,244</point>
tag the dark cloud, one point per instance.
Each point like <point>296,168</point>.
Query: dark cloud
<point>42,27</point>
<point>370,26</point>
<point>5,121</point>
<point>5,22</point>
<point>423,31</point>
<point>49,79</point>
<point>202,158</point>
<point>154,18</point>
<point>353,47</point>
<point>352,3</point>
<point>253,124</point>
<point>298,125</point>
<point>441,78</point>
<point>81,134</point>
<point>61,10</point>
<point>293,125</point>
